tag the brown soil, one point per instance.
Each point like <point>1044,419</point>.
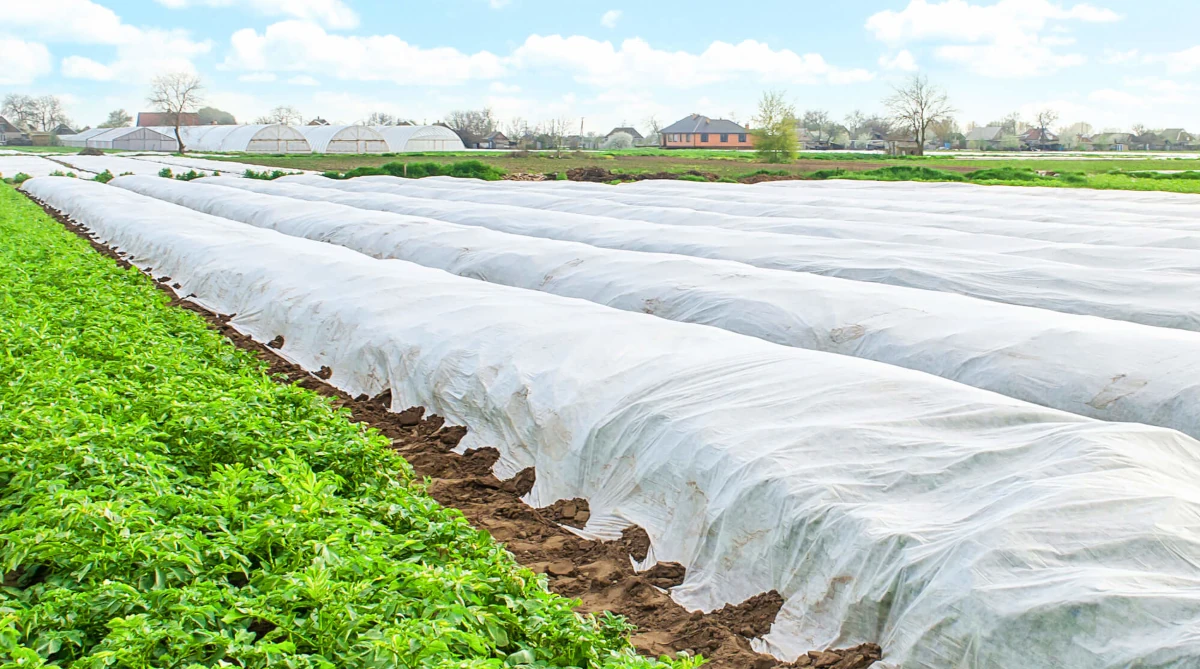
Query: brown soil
<point>598,573</point>
<point>601,175</point>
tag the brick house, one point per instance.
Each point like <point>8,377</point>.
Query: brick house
<point>702,132</point>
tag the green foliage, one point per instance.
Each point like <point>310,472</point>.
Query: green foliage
<point>166,173</point>
<point>265,175</point>
<point>104,177</point>
<point>164,503</point>
<point>463,169</point>
<point>1187,176</point>
<point>1007,174</point>
<point>21,178</point>
<point>188,176</point>
<point>775,134</point>
<point>560,176</point>
<point>692,177</point>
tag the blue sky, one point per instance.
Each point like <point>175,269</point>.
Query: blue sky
<point>1111,63</point>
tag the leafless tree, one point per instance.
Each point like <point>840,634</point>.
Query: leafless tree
<point>654,134</point>
<point>916,105</point>
<point>1045,119</point>
<point>556,131</point>
<point>855,123</point>
<point>817,120</point>
<point>43,113</point>
<point>283,114</point>
<point>175,94</point>
<point>384,118</point>
<point>516,128</point>
<point>480,122</point>
<point>1139,128</point>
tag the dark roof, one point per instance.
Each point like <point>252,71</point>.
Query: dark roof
<point>7,127</point>
<point>318,121</point>
<point>984,134</point>
<point>145,119</point>
<point>629,131</point>
<point>703,124</point>
<point>497,135</point>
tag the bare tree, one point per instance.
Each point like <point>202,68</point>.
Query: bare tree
<point>916,105</point>
<point>384,118</point>
<point>855,123</point>
<point>556,131</point>
<point>175,94</point>
<point>817,120</point>
<point>516,128</point>
<point>479,122</point>
<point>43,113</point>
<point>117,119</point>
<point>654,135</point>
<point>1045,119</point>
<point>1139,128</point>
<point>20,110</point>
<point>283,114</point>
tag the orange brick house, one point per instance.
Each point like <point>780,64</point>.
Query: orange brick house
<point>702,132</point>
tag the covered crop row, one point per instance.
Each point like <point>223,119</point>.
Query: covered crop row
<point>974,526</point>
<point>1162,299</point>
<point>163,503</point>
<point>1095,367</point>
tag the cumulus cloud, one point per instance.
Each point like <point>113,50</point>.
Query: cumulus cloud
<point>610,18</point>
<point>146,54</point>
<point>303,80</point>
<point>22,62</point>
<point>1003,40</point>
<point>67,21</point>
<point>306,46</point>
<point>501,87</point>
<point>601,63</point>
<point>1114,57</point>
<point>1180,62</point>
<point>258,77</point>
<point>903,61</point>
<point>332,13</point>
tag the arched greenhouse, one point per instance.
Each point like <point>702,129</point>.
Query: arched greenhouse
<point>344,139</point>
<point>274,138</point>
<point>413,138</point>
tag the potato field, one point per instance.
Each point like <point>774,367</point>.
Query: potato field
<point>451,423</point>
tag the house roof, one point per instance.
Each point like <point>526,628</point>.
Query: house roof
<point>1035,135</point>
<point>629,131</point>
<point>703,124</point>
<point>497,135</point>
<point>163,118</point>
<point>1175,135</point>
<point>7,127</point>
<point>985,134</point>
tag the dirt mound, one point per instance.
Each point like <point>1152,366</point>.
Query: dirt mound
<point>91,152</point>
<point>601,175</point>
<point>598,573</point>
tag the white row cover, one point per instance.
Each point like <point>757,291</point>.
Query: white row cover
<point>1096,367</point>
<point>343,139</point>
<point>1161,299</point>
<point>687,209</point>
<point>225,167</point>
<point>273,138</point>
<point>118,165</point>
<point>34,166</point>
<point>955,526</point>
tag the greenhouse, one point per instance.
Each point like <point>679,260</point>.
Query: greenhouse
<point>344,139</point>
<point>413,138</point>
<point>80,139</point>
<point>274,138</point>
<point>133,139</point>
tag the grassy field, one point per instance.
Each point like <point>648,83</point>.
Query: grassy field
<point>166,503</point>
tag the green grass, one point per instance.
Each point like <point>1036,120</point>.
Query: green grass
<point>1187,182</point>
<point>166,504</point>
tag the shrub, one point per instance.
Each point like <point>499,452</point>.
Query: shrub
<point>104,177</point>
<point>907,173</point>
<point>191,174</point>
<point>618,140</point>
<point>464,169</point>
<point>265,175</point>
<point>21,178</point>
<point>166,173</point>
<point>560,176</point>
<point>1007,174</point>
<point>692,177</point>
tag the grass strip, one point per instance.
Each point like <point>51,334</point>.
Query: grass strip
<point>165,503</point>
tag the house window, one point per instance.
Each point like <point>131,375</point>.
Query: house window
<point>704,137</point>
<point>742,138</point>
<point>724,137</point>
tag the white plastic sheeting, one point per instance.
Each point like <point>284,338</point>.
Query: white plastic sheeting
<point>80,139</point>
<point>225,167</point>
<point>413,138</point>
<point>117,165</point>
<point>343,139</point>
<point>955,526</point>
<point>274,138</point>
<point>1095,367</point>
<point>1162,299</point>
<point>132,139</point>
<point>34,166</point>
<point>686,209</point>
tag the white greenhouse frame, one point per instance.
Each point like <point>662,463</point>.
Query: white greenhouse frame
<point>273,138</point>
<point>133,139</point>
<point>344,139</point>
<point>80,140</point>
<point>413,138</point>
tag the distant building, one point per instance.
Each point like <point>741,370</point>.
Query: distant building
<point>702,132</point>
<point>495,140</point>
<point>318,121</point>
<point>1036,138</point>
<point>632,132</point>
<point>11,134</point>
<point>62,129</point>
<point>987,137</point>
<point>148,119</point>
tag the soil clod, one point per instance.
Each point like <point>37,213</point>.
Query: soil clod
<point>277,342</point>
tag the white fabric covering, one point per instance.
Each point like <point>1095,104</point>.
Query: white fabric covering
<point>955,526</point>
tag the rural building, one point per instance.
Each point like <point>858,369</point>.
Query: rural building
<point>11,134</point>
<point>702,132</point>
<point>318,121</point>
<point>900,146</point>
<point>417,138</point>
<point>495,140</point>
<point>987,137</point>
<point>1175,138</point>
<point>632,132</point>
<point>1036,138</point>
<point>1112,141</point>
<point>344,139</point>
<point>150,119</point>
<point>273,138</point>
<point>62,129</point>
<point>126,139</point>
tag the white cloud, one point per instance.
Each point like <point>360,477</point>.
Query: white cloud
<point>1114,57</point>
<point>258,77</point>
<point>1002,40</point>
<point>501,87</point>
<point>21,62</point>
<point>602,64</point>
<point>305,46</point>
<point>146,54</point>
<point>610,18</point>
<point>1180,62</point>
<point>303,80</point>
<point>333,13</point>
<point>68,21</point>
<point>903,61</point>
<point>1112,96</point>
<point>498,4</point>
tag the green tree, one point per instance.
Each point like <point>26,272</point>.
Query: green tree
<point>214,116</point>
<point>118,119</point>
<point>775,128</point>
